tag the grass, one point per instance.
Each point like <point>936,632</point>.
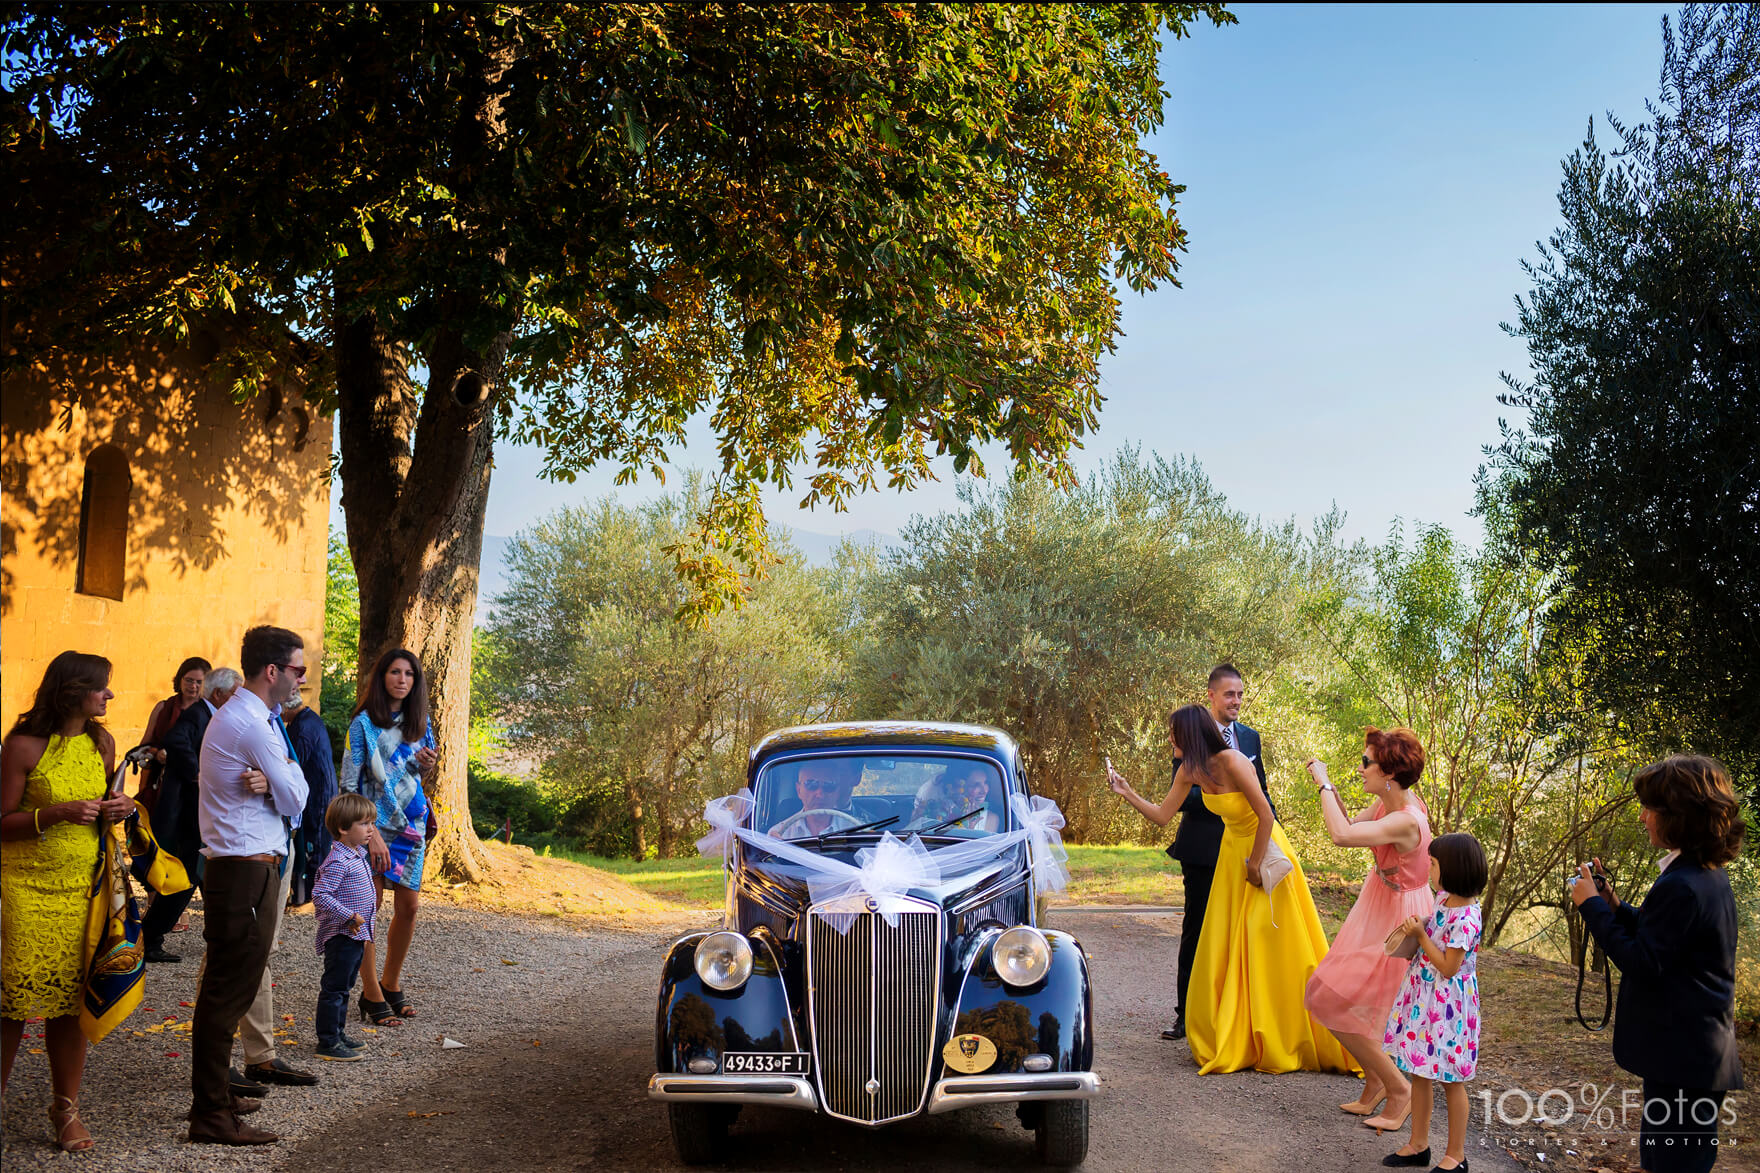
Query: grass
<point>1098,875</point>
<point>691,881</point>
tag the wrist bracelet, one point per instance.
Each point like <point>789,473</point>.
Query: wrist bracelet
<point>36,820</point>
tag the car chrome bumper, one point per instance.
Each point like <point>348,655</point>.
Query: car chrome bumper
<point>962,1091</point>
<point>782,1091</point>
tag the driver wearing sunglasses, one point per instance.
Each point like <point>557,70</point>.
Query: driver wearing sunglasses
<point>821,786</point>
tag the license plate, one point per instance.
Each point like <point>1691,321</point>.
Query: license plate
<point>766,1063</point>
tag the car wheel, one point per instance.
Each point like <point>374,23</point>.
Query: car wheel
<point>699,1131</point>
<point>1061,1135</point>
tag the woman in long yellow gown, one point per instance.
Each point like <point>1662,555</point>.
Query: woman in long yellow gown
<point>1244,1006</point>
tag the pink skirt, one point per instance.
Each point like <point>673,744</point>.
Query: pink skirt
<point>1353,987</point>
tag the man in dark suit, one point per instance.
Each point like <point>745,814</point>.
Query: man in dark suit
<point>174,818</point>
<point>1199,839</point>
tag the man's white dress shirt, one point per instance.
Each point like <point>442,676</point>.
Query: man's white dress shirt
<point>243,736</point>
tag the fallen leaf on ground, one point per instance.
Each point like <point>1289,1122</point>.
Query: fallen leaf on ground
<point>429,1115</point>
<point>504,961</point>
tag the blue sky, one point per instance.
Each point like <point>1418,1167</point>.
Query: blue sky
<point>1362,185</point>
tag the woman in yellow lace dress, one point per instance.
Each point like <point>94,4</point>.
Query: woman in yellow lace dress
<point>1244,1008</point>
<point>54,769</point>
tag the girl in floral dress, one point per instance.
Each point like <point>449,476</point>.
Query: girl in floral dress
<point>1433,1030</point>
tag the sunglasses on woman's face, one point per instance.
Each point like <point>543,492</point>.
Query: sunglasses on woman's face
<point>1367,761</point>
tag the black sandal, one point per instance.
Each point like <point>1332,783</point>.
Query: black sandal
<point>378,1013</point>
<point>399,1004</point>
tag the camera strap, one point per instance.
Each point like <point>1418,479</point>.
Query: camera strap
<point>1583,962</point>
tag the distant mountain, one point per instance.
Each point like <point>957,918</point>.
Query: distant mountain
<point>816,548</point>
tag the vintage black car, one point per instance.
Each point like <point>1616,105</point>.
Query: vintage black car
<point>871,1010</point>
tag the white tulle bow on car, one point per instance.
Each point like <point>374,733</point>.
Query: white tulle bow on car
<point>892,867</point>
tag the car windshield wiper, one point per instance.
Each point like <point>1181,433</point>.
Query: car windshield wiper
<point>876,825</point>
<point>946,823</point>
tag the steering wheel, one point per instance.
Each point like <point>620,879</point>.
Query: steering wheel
<point>780,829</point>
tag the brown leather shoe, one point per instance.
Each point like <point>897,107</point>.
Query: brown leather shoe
<point>244,1105</point>
<point>225,1128</point>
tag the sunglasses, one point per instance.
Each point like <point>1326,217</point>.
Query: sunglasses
<point>1367,761</point>
<point>292,671</point>
<point>818,787</point>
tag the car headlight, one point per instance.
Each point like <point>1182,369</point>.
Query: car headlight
<point>1021,956</point>
<point>724,960</point>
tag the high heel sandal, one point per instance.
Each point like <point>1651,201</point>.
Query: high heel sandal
<point>1363,1105</point>
<point>1386,1123</point>
<point>378,1013</point>
<point>399,1004</point>
<point>71,1135</point>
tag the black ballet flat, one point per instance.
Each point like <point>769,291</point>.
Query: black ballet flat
<point>1460,1168</point>
<point>1403,1160</point>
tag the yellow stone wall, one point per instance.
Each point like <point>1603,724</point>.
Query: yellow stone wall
<point>228,514</point>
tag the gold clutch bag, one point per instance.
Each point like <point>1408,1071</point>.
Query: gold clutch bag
<point>1400,943</point>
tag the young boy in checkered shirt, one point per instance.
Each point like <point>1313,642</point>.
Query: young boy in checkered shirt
<point>345,901</point>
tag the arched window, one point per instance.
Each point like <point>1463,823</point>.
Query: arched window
<point>103,523</point>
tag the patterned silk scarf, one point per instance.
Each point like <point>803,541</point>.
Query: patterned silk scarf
<point>115,958</point>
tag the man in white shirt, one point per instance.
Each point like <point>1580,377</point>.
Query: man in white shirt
<point>250,788</point>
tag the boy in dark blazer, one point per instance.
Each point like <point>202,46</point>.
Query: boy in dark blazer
<point>1676,952</point>
<point>1199,839</point>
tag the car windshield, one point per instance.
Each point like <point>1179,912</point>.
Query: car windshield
<point>815,798</point>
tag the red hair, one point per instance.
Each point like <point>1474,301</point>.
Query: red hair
<point>1398,752</point>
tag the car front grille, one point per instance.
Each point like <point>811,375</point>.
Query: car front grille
<point>872,996</point>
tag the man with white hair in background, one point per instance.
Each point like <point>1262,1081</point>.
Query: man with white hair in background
<point>175,823</point>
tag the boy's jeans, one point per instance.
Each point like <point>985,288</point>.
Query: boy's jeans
<point>342,962</point>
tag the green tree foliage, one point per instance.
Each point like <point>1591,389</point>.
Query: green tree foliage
<point>860,235</point>
<point>636,717</point>
<point>1637,481</point>
<point>1076,620</point>
<point>342,635</point>
<point>1453,645</point>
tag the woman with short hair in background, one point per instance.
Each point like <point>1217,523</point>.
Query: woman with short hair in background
<point>55,769</point>
<point>186,690</point>
<point>1353,987</point>
<point>389,755</point>
<point>1675,1024</point>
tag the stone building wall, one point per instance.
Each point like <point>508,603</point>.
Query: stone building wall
<point>201,518</point>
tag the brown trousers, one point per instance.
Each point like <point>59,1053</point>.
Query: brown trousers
<point>239,913</point>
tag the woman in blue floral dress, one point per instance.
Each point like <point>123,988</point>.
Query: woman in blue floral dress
<point>390,753</point>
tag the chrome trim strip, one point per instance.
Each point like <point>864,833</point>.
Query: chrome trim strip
<point>962,1091</point>
<point>780,1091</point>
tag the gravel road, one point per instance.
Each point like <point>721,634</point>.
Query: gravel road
<point>559,1049</point>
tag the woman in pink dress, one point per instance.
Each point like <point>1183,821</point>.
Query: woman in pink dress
<point>1353,987</point>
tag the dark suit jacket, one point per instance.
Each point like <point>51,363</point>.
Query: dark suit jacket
<point>1199,838</point>
<point>1677,959</point>
<point>176,815</point>
<point>311,843</point>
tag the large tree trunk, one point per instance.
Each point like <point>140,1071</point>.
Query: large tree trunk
<point>415,530</point>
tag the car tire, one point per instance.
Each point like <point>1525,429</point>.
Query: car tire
<point>1061,1135</point>
<point>699,1131</point>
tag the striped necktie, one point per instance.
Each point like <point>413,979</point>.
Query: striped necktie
<point>1228,735</point>
<point>292,760</point>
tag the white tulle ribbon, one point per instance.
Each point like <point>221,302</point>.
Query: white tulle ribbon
<point>892,867</point>
<point>1042,823</point>
<point>726,815</point>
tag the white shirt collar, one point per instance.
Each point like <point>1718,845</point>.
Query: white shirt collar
<point>1668,860</point>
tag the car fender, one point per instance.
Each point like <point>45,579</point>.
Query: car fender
<point>1053,1017</point>
<point>693,1020</point>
